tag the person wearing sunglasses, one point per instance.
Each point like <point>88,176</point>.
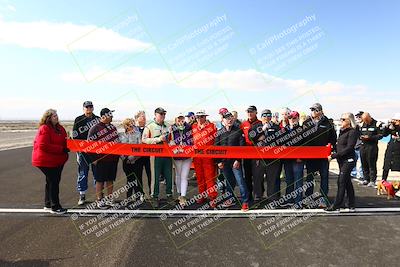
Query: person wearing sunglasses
<point>294,168</point>
<point>132,169</point>
<point>157,132</point>
<point>262,134</point>
<point>320,132</point>
<point>80,130</point>
<point>231,135</point>
<point>345,157</point>
<point>181,135</point>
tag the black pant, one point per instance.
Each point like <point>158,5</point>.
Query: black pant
<point>344,184</point>
<point>369,157</point>
<point>144,162</point>
<point>52,187</point>
<point>385,174</point>
<point>258,171</point>
<point>248,176</point>
<point>134,180</point>
<point>272,170</point>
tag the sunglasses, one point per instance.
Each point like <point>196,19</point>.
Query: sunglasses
<point>89,107</point>
<point>266,115</point>
<point>202,116</point>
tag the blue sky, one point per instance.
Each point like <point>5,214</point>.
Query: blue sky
<point>352,67</point>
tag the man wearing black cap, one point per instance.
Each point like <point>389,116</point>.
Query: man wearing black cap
<point>262,134</point>
<point>322,133</point>
<point>81,127</point>
<point>247,163</point>
<point>231,135</point>
<point>157,132</point>
<point>106,164</point>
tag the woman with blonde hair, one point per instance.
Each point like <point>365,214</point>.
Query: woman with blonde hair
<point>49,154</point>
<point>345,157</point>
<point>133,171</point>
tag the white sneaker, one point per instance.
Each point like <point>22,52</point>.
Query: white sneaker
<point>371,184</point>
<point>111,203</point>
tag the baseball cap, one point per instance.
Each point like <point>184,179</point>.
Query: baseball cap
<point>359,114</point>
<point>227,115</point>
<point>190,114</point>
<point>294,114</point>
<point>160,110</point>
<point>201,112</point>
<point>106,112</point>
<point>251,109</point>
<point>87,103</point>
<point>180,115</point>
<point>266,112</point>
<point>396,116</point>
<point>222,111</point>
<point>316,106</point>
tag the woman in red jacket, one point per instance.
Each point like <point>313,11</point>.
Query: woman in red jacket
<point>49,154</point>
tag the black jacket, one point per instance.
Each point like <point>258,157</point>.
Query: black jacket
<point>266,137</point>
<point>392,154</point>
<point>82,125</point>
<point>345,144</point>
<point>320,133</point>
<point>233,137</point>
<point>374,132</point>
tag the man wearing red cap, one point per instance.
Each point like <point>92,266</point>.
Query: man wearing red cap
<point>203,136</point>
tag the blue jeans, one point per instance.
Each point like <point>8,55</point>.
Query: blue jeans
<point>322,167</point>
<point>233,177</point>
<point>294,172</point>
<point>83,172</point>
<point>359,172</point>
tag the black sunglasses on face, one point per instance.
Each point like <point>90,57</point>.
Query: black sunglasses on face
<point>89,107</point>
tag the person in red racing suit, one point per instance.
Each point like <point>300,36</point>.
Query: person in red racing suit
<point>203,136</point>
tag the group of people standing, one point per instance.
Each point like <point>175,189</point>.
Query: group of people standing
<point>50,153</point>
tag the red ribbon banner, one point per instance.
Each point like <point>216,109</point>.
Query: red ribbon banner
<point>226,152</point>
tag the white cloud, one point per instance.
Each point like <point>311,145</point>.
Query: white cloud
<point>336,97</point>
<point>239,80</point>
<point>56,37</point>
<point>11,8</point>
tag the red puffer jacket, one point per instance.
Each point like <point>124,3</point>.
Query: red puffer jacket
<point>48,147</point>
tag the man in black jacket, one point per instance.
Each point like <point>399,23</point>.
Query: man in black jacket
<point>320,132</point>
<point>263,134</point>
<point>80,131</point>
<point>371,133</point>
<point>232,135</point>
